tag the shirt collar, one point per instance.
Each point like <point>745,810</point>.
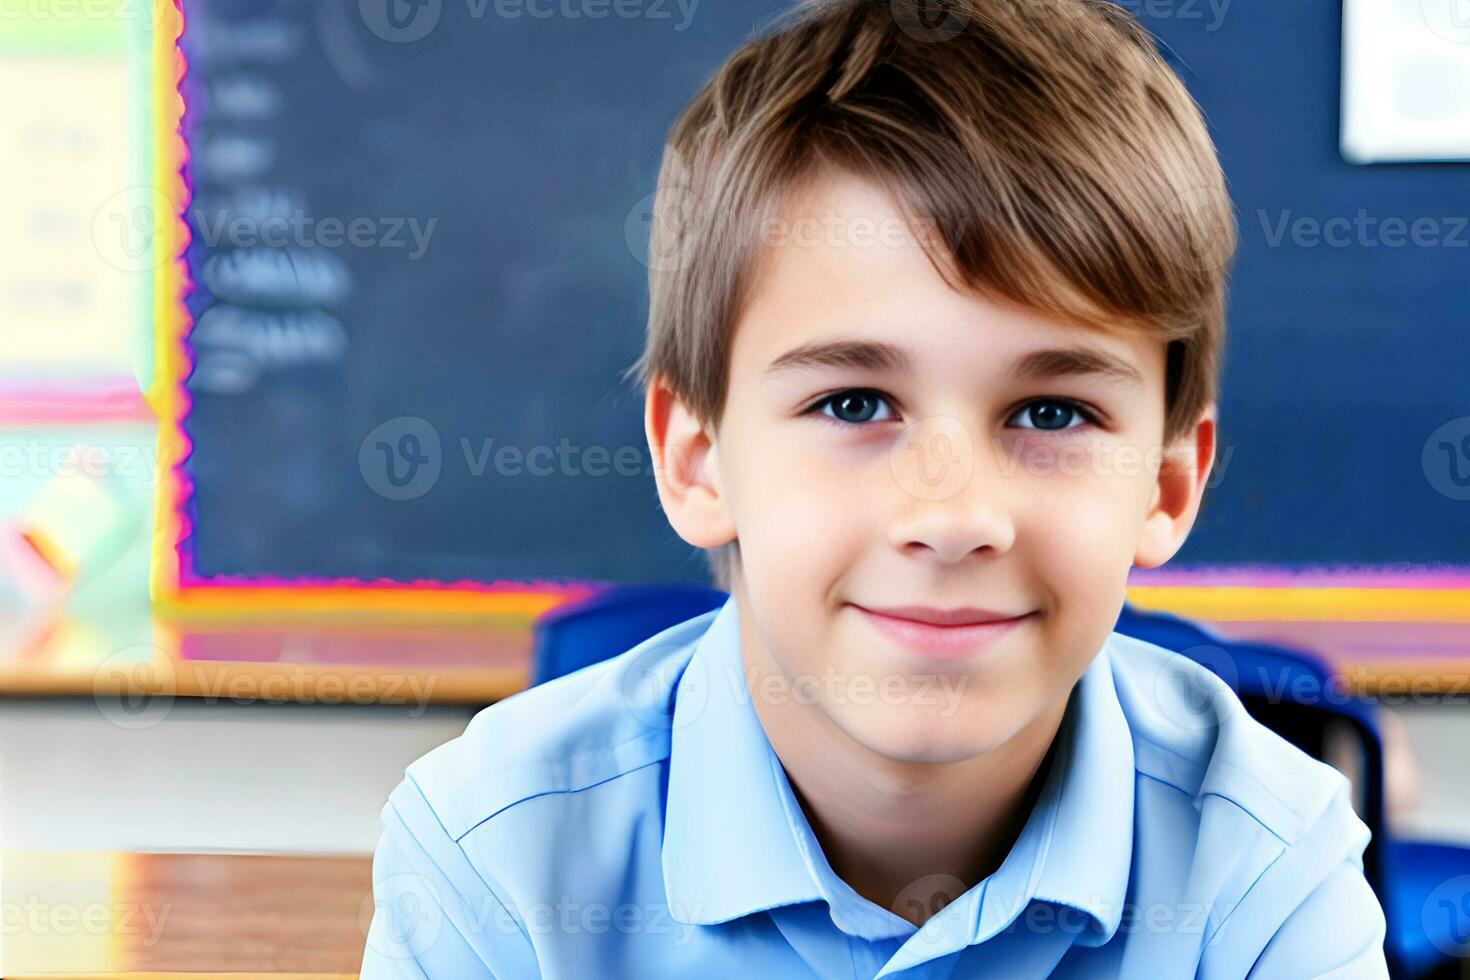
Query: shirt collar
<point>1083,820</point>
<point>737,842</point>
<point>728,849</point>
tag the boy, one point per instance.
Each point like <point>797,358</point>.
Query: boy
<point>937,309</point>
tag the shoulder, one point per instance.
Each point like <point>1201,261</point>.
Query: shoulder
<point>1191,731</point>
<point>1267,835</point>
<point>562,737</point>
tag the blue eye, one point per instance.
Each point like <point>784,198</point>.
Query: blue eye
<point>1052,415</point>
<point>856,406</point>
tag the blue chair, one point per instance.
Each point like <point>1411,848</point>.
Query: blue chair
<point>1431,909</point>
<point>1422,940</point>
<point>582,633</point>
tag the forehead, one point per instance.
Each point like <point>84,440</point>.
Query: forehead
<point>840,261</point>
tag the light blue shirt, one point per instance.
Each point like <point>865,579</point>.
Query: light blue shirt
<point>632,820</point>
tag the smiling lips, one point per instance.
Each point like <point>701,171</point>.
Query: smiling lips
<point>943,634</point>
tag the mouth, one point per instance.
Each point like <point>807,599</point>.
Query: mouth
<point>943,634</point>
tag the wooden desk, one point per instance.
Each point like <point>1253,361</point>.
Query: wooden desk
<point>85,914</point>
<point>365,662</point>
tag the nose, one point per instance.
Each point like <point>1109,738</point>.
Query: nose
<point>954,498</point>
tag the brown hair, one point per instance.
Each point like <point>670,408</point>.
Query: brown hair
<point>1058,160</point>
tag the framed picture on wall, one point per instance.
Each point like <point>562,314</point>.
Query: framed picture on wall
<point>1405,81</point>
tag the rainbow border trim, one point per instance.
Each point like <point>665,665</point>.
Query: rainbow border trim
<point>174,585</point>
<point>1350,593</point>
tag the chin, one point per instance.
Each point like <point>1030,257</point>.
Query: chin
<point>924,735</point>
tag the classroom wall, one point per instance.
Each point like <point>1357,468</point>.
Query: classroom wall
<point>529,148</point>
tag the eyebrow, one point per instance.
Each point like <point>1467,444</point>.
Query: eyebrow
<point>868,355</point>
<point>872,355</point>
<point>1062,362</point>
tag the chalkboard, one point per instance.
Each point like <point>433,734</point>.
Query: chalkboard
<point>417,377</point>
<point>499,166</point>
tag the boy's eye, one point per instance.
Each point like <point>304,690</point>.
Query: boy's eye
<point>1052,414</point>
<point>859,406</point>
<point>856,406</point>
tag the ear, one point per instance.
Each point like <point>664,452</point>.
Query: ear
<point>1183,473</point>
<point>686,470</point>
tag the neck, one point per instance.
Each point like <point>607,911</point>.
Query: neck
<point>891,827</point>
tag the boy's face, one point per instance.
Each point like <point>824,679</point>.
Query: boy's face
<point>888,442</point>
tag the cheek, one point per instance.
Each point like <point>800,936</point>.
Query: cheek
<point>1086,519</point>
<point>1084,531</point>
<point>1084,528</point>
<point>798,511</point>
<point>803,519</point>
